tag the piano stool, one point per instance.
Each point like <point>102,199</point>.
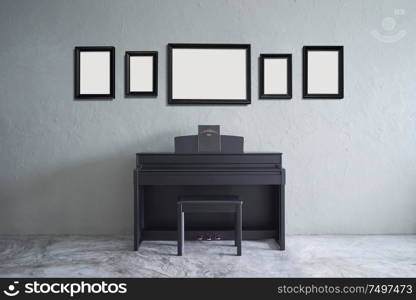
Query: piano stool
<point>209,204</point>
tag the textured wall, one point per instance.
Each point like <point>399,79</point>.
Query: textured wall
<point>66,166</point>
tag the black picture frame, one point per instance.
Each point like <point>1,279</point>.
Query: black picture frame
<point>77,68</point>
<point>340,94</point>
<point>262,58</point>
<point>128,91</point>
<point>246,47</point>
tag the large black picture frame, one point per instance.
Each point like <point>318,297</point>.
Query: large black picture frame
<point>128,91</point>
<point>196,100</point>
<point>77,76</point>
<point>288,94</point>
<point>340,93</point>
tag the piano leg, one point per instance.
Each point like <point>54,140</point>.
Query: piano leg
<point>180,229</point>
<point>238,229</point>
<point>137,213</point>
<point>280,239</point>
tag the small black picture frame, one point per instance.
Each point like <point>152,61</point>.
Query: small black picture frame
<point>331,86</point>
<point>148,82</point>
<point>223,80</point>
<point>86,85</point>
<point>282,90</point>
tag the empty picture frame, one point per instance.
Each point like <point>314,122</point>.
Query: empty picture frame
<point>275,76</point>
<point>94,72</point>
<point>323,72</point>
<point>141,73</point>
<point>209,74</point>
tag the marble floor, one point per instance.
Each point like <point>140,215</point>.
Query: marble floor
<point>306,256</point>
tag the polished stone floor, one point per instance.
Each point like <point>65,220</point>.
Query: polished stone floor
<point>306,256</point>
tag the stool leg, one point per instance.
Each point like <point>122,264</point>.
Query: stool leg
<point>181,230</point>
<point>236,229</point>
<point>239,229</point>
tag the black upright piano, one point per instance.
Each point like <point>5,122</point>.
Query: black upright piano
<point>257,178</point>
<point>161,178</point>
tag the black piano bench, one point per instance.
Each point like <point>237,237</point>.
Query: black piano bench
<point>209,204</point>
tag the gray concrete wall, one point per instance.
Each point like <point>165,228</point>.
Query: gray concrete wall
<point>66,166</point>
